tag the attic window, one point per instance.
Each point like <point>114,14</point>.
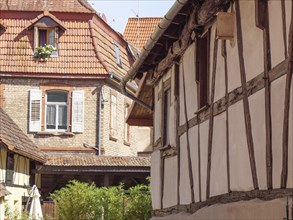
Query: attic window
<point>46,33</point>
<point>117,51</point>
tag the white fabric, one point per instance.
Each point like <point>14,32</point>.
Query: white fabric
<point>36,209</point>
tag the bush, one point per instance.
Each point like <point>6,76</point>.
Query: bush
<point>83,201</point>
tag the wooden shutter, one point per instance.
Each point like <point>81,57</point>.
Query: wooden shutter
<point>77,111</point>
<point>35,110</point>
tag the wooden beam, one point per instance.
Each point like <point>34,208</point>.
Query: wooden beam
<point>247,117</point>
<point>227,198</point>
<point>140,122</point>
<point>211,120</point>
<point>190,170</point>
<point>284,26</point>
<point>224,55</point>
<point>284,175</point>
<point>253,86</point>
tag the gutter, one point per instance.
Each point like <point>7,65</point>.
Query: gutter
<point>163,25</point>
<point>124,91</point>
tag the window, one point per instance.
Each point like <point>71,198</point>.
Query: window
<point>46,33</point>
<point>9,169</point>
<point>202,69</point>
<point>117,51</point>
<point>113,116</point>
<point>166,116</point>
<point>126,126</point>
<point>50,110</point>
<point>56,110</point>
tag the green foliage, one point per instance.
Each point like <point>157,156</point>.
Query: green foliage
<point>44,52</point>
<point>139,203</point>
<point>83,201</point>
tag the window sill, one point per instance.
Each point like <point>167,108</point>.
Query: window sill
<point>112,138</point>
<point>55,133</point>
<point>127,143</point>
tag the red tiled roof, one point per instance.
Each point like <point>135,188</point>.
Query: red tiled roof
<point>98,161</point>
<point>139,30</point>
<point>81,6</point>
<point>15,139</point>
<point>83,49</point>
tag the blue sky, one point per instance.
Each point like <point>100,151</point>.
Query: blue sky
<point>117,11</point>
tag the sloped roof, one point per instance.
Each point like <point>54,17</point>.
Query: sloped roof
<point>85,48</point>
<point>81,6</point>
<point>138,30</point>
<point>15,139</point>
<point>96,161</point>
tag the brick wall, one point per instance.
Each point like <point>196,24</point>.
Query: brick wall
<point>16,105</point>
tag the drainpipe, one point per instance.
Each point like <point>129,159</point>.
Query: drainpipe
<point>99,120</point>
<point>163,25</point>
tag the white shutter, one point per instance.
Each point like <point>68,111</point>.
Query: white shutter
<point>77,111</point>
<point>35,110</point>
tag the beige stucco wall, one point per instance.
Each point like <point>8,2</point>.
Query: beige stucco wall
<point>277,102</point>
<point>184,185</point>
<point>253,209</point>
<point>241,178</point>
<point>252,40</point>
<point>204,136</point>
<point>276,32</point>
<point>156,179</point>
<point>158,112</point>
<point>257,105</point>
<point>170,182</point>
<point>14,200</point>
<point>219,179</point>
<point>193,136</point>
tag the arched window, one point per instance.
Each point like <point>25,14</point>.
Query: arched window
<point>56,110</point>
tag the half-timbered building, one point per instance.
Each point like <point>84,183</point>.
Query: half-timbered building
<point>217,76</point>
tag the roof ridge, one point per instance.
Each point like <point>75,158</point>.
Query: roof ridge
<point>85,4</point>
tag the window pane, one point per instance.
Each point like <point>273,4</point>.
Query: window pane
<point>62,117</point>
<point>56,96</point>
<point>51,117</point>
<point>42,37</point>
<point>51,37</point>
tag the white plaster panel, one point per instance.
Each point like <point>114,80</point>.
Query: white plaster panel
<point>181,100</point>
<point>219,179</point>
<point>157,114</point>
<point>288,5</point>
<point>240,171</point>
<point>220,74</point>
<point>170,182</point>
<point>290,143</point>
<point>276,32</point>
<point>14,200</point>
<point>193,135</point>
<point>277,102</point>
<point>204,134</point>
<point>184,187</point>
<point>257,113</point>
<point>188,63</point>
<point>156,179</point>
<point>233,64</point>
<point>252,41</point>
<point>172,125</point>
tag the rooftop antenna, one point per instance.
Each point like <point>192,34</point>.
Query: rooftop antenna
<point>138,25</point>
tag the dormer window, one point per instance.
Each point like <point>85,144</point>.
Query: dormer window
<point>46,30</point>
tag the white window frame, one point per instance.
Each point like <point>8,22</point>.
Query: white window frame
<point>57,104</point>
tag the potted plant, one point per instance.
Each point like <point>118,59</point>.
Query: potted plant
<point>44,52</point>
